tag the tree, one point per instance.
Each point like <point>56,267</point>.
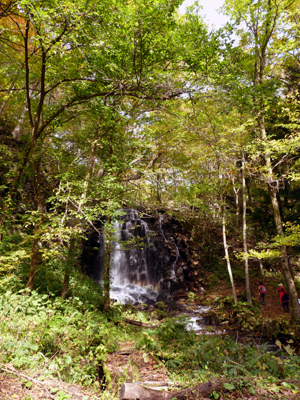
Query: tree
<point>263,20</point>
<point>74,54</point>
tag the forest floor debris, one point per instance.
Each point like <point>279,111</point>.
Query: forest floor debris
<point>16,387</point>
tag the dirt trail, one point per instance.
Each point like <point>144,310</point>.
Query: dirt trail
<point>273,307</point>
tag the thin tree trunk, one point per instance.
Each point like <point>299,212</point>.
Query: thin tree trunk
<point>66,283</point>
<point>108,251</point>
<point>291,266</point>
<point>33,263</point>
<point>227,255</point>
<point>248,290</point>
<point>260,267</point>
<point>237,203</point>
<point>69,264</point>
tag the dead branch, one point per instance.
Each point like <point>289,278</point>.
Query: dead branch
<point>38,383</point>
<point>138,323</point>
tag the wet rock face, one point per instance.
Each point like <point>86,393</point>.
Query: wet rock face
<point>150,252</point>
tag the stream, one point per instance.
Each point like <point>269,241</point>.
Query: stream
<point>196,320</point>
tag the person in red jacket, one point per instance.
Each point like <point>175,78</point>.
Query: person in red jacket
<point>262,291</point>
<point>284,297</point>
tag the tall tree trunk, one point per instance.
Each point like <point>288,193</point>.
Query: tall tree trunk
<point>108,250</point>
<point>284,259</point>
<point>40,208</point>
<point>35,123</point>
<point>248,290</point>
<point>261,51</point>
<point>227,254</point>
<point>273,189</point>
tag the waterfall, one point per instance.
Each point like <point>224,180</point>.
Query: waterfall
<point>146,258</point>
<point>160,219</point>
<point>172,271</point>
<point>133,278</point>
<point>175,262</point>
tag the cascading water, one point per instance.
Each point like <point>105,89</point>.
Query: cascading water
<point>132,274</point>
<point>148,262</point>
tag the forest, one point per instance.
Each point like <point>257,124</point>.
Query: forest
<point>117,105</point>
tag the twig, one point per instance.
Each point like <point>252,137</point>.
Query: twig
<point>138,323</point>
<point>11,371</point>
<point>262,329</point>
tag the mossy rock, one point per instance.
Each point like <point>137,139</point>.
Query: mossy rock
<point>214,318</point>
<point>143,306</point>
<point>161,314</point>
<point>129,307</point>
<point>161,305</point>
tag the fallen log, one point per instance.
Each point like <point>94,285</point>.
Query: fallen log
<point>138,323</point>
<point>135,391</point>
<point>198,392</point>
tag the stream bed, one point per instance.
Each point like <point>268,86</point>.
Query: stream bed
<point>196,320</point>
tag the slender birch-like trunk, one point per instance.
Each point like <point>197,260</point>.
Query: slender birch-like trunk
<point>227,254</point>
<point>237,202</point>
<point>248,290</point>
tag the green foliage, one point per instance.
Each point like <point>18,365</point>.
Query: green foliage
<point>188,354</point>
<point>127,103</point>
<point>67,339</point>
<point>62,338</point>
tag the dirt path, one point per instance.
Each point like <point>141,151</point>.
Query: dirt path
<point>273,307</point>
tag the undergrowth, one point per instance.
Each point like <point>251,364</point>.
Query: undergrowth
<point>65,339</point>
<point>69,339</point>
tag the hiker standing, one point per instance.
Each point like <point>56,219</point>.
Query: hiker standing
<point>262,291</point>
<point>284,297</point>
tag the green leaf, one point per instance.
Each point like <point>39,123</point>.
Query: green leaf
<point>68,360</point>
<point>54,390</point>
<point>215,395</point>
<point>229,386</point>
<point>252,391</point>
